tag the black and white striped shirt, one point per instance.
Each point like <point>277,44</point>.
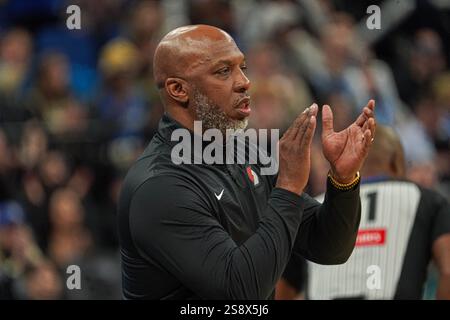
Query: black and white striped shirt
<point>399,223</point>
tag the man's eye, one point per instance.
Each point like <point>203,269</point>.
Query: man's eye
<point>223,71</point>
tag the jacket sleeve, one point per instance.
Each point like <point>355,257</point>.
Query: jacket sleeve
<point>172,225</point>
<point>328,231</point>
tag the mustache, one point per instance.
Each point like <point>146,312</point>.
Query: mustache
<point>242,100</point>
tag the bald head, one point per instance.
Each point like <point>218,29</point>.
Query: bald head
<point>201,74</point>
<point>182,50</point>
<point>386,154</point>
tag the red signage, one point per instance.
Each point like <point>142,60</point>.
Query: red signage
<point>371,237</point>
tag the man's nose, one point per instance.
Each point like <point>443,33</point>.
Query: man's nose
<point>242,83</point>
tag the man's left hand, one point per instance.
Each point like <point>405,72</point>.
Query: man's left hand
<point>346,150</point>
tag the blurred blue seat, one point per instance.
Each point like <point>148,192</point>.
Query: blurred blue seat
<point>76,44</point>
<point>15,11</point>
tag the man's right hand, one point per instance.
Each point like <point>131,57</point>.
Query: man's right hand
<point>295,152</point>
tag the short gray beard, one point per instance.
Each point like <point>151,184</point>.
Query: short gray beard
<point>212,116</point>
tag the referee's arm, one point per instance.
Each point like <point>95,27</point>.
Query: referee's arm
<point>172,225</point>
<point>440,238</point>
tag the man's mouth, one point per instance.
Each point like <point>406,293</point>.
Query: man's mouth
<point>243,107</point>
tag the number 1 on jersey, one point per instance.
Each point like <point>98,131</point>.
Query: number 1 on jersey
<point>372,197</point>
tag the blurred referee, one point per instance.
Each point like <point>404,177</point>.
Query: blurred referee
<point>403,227</point>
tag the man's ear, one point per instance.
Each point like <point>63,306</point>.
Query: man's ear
<point>177,89</point>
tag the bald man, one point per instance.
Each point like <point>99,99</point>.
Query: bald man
<point>403,228</point>
<point>226,231</point>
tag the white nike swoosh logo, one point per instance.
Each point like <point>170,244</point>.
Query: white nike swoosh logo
<point>218,196</point>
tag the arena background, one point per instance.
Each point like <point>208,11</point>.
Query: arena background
<point>77,106</point>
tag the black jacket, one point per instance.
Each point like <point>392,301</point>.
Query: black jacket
<point>211,232</point>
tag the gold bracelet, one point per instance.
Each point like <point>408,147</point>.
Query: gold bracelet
<point>342,186</point>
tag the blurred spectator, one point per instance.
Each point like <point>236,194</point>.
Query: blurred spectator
<point>9,168</point>
<point>17,244</point>
<point>144,29</point>
<point>218,13</point>
<point>97,188</point>
<point>18,250</point>
<point>425,61</point>
<point>327,63</point>
<point>72,243</point>
<point>15,60</point>
<point>6,155</point>
<point>433,117</point>
<point>69,238</point>
<point>419,152</point>
<point>121,104</point>
<point>43,282</point>
<point>145,23</point>
<point>371,78</point>
<point>34,200</point>
<point>54,170</point>
<point>325,66</point>
<point>278,95</point>
<point>38,185</point>
<point>423,173</point>
<point>100,18</point>
<point>52,99</point>
<point>33,146</point>
<point>258,21</point>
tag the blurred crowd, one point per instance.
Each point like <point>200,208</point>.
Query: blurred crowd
<point>78,106</point>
